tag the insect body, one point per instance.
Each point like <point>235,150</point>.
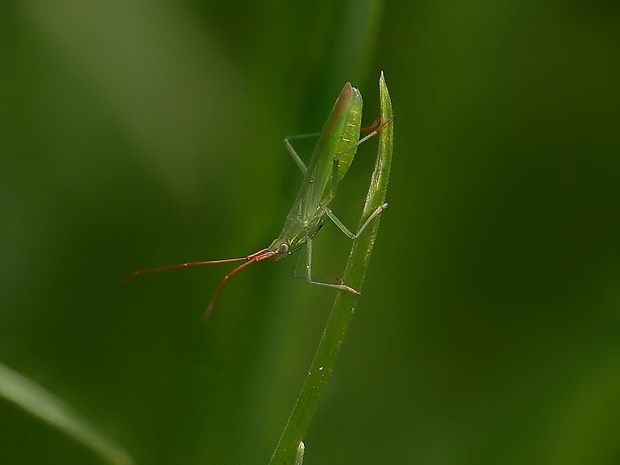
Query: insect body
<point>330,161</point>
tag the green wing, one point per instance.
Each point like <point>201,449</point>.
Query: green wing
<point>332,155</point>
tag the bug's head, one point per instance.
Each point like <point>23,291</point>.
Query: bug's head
<point>284,246</point>
<point>281,247</point>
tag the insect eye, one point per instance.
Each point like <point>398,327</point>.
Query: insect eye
<point>283,248</point>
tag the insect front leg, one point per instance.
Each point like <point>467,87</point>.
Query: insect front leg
<point>346,230</point>
<point>342,287</point>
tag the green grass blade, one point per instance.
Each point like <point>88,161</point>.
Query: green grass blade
<point>42,404</point>
<point>342,311</point>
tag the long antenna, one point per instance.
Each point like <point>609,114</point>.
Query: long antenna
<point>255,257</point>
<point>136,273</point>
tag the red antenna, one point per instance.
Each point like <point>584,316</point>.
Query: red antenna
<point>255,257</point>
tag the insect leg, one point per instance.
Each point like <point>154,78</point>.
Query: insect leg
<point>342,287</point>
<point>293,153</point>
<point>346,230</point>
<point>373,133</point>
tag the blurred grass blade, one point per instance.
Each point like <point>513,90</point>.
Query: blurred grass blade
<point>42,404</point>
<point>333,337</point>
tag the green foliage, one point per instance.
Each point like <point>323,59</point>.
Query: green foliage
<point>137,134</point>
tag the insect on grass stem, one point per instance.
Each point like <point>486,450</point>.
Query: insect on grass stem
<point>330,161</point>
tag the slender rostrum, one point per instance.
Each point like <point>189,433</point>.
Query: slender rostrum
<point>330,161</point>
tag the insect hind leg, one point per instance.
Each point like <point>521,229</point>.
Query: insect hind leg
<point>375,128</point>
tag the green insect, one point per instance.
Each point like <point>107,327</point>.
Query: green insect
<point>332,157</point>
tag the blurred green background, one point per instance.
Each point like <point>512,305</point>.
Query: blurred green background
<point>138,134</point>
